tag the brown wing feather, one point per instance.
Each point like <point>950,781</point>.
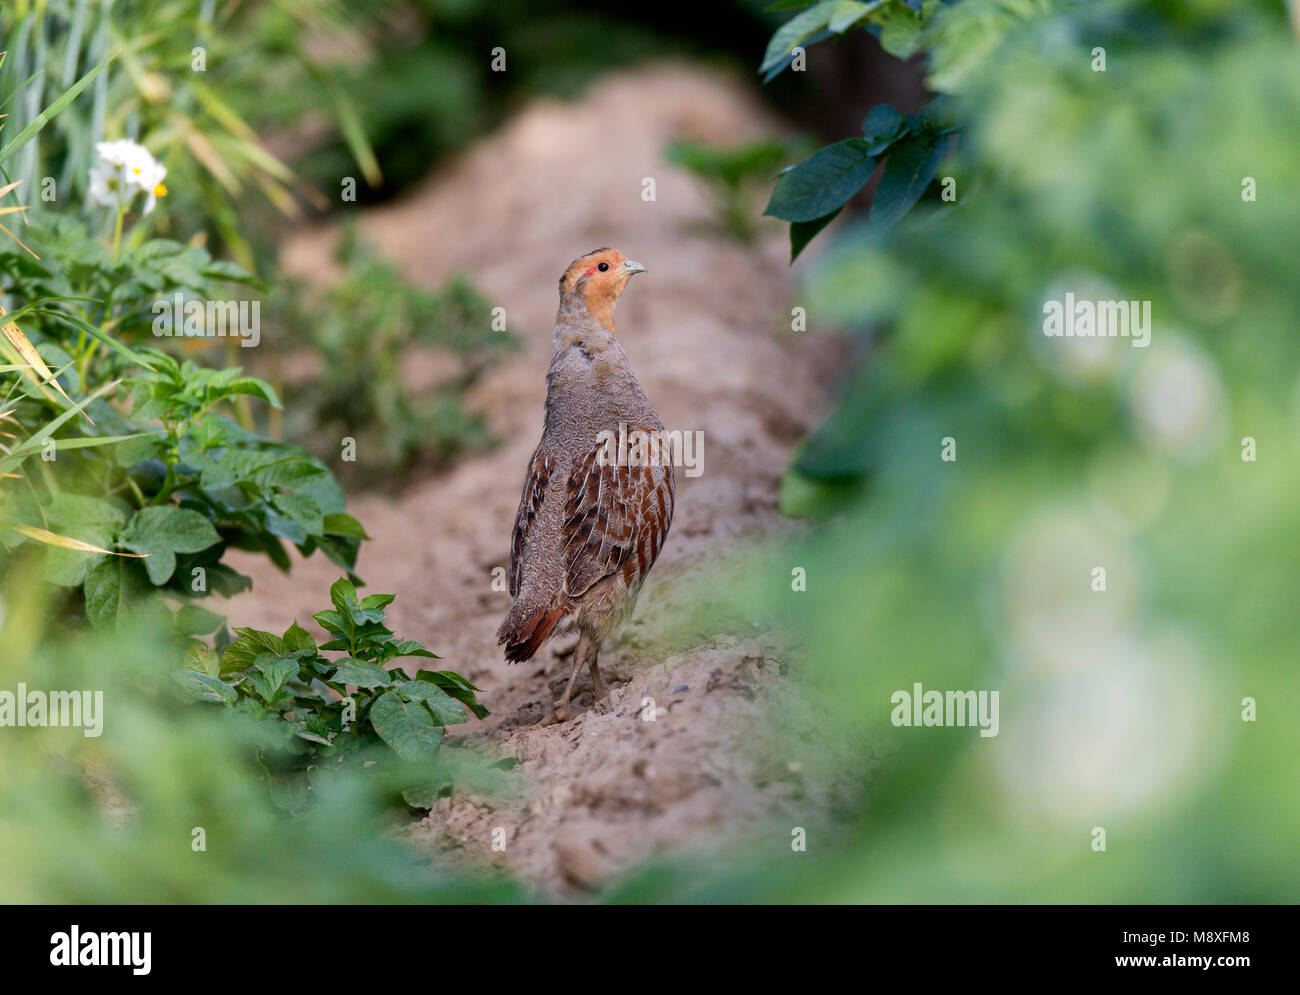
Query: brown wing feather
<point>615,519</point>
<point>539,474</point>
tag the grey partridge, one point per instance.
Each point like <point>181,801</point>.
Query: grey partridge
<point>592,519</point>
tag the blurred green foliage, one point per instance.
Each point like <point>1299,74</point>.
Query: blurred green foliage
<point>162,808</point>
<point>733,175</point>
<point>1167,177</point>
<point>370,328</point>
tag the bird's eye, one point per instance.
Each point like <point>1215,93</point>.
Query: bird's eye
<point>603,267</point>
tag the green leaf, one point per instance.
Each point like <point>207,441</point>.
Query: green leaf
<point>290,472</point>
<point>112,586</point>
<point>848,13</point>
<point>901,26</point>
<point>445,708</point>
<point>456,686</point>
<point>254,387</point>
<point>823,182</point>
<point>162,532</point>
<point>90,519</point>
<point>302,509</point>
<point>939,114</point>
<point>91,441</point>
<point>883,124</point>
<point>406,726</point>
<point>343,524</point>
<point>796,30</point>
<point>269,673</point>
<point>147,446</point>
<point>240,654</point>
<point>908,171</point>
<point>193,620</point>
<point>333,622</point>
<point>203,659</point>
<point>361,674</point>
<point>803,232</point>
<point>409,647</point>
<point>298,638</point>
<point>344,596</point>
<point>205,687</point>
<point>341,593</point>
<point>445,678</point>
<point>341,552</point>
<point>311,737</point>
<point>221,269</point>
<point>101,590</point>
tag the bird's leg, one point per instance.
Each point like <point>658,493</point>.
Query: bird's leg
<point>597,685</point>
<point>580,655</point>
<point>562,709</point>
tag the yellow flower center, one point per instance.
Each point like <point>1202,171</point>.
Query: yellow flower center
<point>160,191</point>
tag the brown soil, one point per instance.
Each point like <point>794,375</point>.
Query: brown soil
<point>707,332</point>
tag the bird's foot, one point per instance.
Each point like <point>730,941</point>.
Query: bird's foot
<point>560,714</point>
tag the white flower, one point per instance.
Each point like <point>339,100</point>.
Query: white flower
<point>106,186</point>
<point>116,153</point>
<point>124,169</point>
<point>150,181</point>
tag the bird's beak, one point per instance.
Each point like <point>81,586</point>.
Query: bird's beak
<point>630,267</point>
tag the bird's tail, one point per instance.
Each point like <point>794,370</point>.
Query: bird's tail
<point>525,629</point>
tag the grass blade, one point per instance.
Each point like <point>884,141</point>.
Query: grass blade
<point>43,118</point>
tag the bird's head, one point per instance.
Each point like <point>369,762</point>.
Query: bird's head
<point>597,279</point>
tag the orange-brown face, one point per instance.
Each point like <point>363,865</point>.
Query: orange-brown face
<point>599,277</point>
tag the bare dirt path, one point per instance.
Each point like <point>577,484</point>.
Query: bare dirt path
<point>707,333</point>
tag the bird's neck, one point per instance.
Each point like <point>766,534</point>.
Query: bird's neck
<point>585,323</point>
